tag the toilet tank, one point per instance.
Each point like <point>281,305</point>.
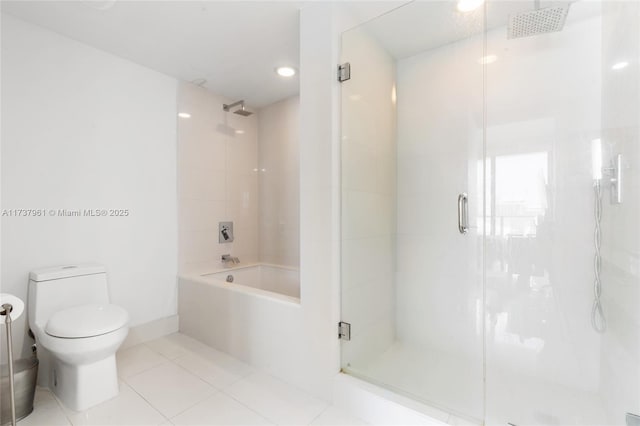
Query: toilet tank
<point>62,287</point>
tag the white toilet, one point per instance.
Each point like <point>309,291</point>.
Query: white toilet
<point>77,333</point>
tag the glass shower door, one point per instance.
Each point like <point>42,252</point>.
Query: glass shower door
<point>412,145</point>
<point>561,107</point>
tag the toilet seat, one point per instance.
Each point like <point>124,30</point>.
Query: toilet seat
<point>86,321</point>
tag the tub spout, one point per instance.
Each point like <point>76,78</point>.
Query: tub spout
<point>226,258</point>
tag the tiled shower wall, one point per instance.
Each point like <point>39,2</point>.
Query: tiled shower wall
<point>240,169</point>
<point>217,179</point>
<point>279,183</point>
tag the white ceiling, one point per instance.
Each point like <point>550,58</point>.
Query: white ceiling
<point>235,46</point>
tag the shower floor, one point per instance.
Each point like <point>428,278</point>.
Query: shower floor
<point>454,385</point>
<point>448,383</point>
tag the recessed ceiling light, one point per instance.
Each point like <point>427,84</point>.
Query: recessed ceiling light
<point>184,115</point>
<point>469,5</point>
<point>240,132</point>
<point>620,65</point>
<point>286,71</point>
<point>489,59</point>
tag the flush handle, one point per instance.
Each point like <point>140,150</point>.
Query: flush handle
<point>463,213</point>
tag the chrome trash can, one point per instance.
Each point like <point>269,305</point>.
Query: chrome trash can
<point>25,376</point>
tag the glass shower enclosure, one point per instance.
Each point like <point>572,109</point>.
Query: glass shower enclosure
<point>490,205</point>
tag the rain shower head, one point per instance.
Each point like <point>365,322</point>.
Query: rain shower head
<point>537,21</point>
<point>243,112</point>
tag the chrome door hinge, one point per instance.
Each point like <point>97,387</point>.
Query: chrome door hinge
<point>344,330</point>
<point>344,72</point>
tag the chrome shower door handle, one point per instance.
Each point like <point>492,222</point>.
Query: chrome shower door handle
<point>463,213</point>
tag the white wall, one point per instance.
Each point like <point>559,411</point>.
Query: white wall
<point>83,129</point>
<point>217,179</point>
<point>279,182</point>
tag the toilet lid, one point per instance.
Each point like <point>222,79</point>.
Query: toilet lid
<point>87,321</point>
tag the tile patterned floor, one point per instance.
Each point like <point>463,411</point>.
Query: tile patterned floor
<point>176,380</point>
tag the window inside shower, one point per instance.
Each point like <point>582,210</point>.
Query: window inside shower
<point>486,118</point>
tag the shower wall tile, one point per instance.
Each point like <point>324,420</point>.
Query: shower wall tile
<point>241,156</point>
<point>279,183</point>
<point>202,184</point>
<point>195,246</point>
<point>368,215</point>
<point>233,169</point>
<point>366,315</point>
<point>217,181</point>
<point>196,214</point>
<point>362,254</point>
<point>203,154</point>
<point>242,186</point>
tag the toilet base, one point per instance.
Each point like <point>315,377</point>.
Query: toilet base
<point>81,372</point>
<point>80,387</point>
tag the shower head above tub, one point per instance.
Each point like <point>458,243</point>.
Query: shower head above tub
<point>241,111</point>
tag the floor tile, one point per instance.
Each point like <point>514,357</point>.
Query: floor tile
<point>219,409</point>
<point>128,408</point>
<point>46,411</point>
<point>137,359</point>
<point>334,416</point>
<point>226,361</point>
<point>187,342</point>
<point>277,401</point>
<point>157,390</point>
<point>175,345</point>
<point>213,368</point>
<point>166,348</point>
<point>170,389</point>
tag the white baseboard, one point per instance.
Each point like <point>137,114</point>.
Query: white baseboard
<point>150,331</point>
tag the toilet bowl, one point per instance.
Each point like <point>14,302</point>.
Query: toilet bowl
<point>77,333</point>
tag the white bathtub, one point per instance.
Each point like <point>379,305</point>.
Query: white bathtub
<point>255,318</point>
<point>269,278</point>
